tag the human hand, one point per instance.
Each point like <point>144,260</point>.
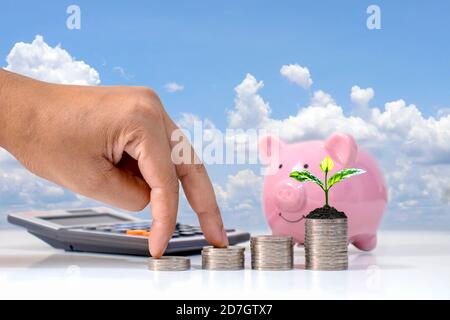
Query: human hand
<point>108,143</point>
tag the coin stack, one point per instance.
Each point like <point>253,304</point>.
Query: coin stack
<point>167,263</point>
<point>272,253</point>
<point>230,258</point>
<point>326,244</point>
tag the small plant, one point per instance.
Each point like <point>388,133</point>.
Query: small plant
<point>326,166</point>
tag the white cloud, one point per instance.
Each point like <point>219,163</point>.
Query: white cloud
<point>443,112</point>
<point>400,125</point>
<point>241,192</point>
<point>52,64</point>
<point>251,111</point>
<point>123,74</point>
<point>297,74</point>
<point>423,139</point>
<point>21,190</point>
<point>173,87</point>
<point>412,149</point>
<point>189,121</point>
<point>361,97</point>
<point>322,99</point>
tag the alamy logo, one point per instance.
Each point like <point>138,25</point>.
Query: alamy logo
<point>73,21</point>
<point>374,19</point>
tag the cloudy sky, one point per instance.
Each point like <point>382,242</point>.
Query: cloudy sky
<point>305,70</point>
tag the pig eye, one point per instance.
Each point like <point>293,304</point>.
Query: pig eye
<point>280,166</point>
<point>306,166</point>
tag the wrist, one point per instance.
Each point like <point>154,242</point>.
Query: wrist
<point>5,108</point>
<point>18,99</point>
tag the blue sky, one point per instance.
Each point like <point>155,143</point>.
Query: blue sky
<point>210,46</point>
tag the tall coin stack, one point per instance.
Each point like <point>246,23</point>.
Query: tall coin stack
<point>230,258</point>
<point>326,244</point>
<point>272,253</point>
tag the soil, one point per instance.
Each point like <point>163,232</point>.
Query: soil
<point>326,212</point>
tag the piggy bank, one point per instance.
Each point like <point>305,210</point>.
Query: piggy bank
<point>286,201</point>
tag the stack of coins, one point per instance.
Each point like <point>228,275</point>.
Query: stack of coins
<point>272,253</point>
<point>326,246</point>
<point>167,263</point>
<point>230,258</point>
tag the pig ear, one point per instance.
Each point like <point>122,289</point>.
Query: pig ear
<point>342,148</point>
<point>269,148</point>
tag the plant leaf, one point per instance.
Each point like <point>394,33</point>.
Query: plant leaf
<point>306,176</point>
<point>327,164</point>
<point>343,174</point>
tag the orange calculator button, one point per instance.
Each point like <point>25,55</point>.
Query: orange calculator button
<point>144,233</point>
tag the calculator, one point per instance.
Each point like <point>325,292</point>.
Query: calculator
<point>103,230</point>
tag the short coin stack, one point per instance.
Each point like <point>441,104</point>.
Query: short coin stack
<point>230,258</point>
<point>272,253</point>
<point>326,244</point>
<point>167,263</point>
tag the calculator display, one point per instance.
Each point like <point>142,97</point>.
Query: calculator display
<point>83,219</point>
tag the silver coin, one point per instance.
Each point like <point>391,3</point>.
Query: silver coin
<point>229,248</point>
<point>326,244</point>
<point>168,263</point>
<point>222,268</point>
<point>274,268</point>
<point>229,258</point>
<point>271,239</point>
<point>223,253</point>
<point>272,252</point>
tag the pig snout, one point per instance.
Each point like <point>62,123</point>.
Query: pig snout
<point>290,196</point>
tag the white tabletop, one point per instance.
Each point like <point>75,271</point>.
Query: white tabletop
<point>404,265</point>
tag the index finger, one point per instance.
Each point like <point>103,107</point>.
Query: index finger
<point>199,191</point>
<point>150,147</point>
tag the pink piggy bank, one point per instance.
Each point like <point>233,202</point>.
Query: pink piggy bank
<point>286,201</point>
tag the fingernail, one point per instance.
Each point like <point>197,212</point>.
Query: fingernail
<point>225,238</point>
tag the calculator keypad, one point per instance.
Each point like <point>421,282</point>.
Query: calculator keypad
<point>143,229</point>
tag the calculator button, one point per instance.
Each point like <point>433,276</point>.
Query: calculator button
<point>105,229</point>
<point>123,226</point>
<point>118,230</point>
<point>144,233</point>
<point>186,230</point>
<point>187,233</point>
<point>141,226</point>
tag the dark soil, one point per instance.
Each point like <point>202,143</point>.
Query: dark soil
<point>326,212</point>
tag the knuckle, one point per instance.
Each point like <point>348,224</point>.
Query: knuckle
<point>210,210</point>
<point>191,170</point>
<point>173,185</point>
<point>147,92</point>
<point>144,109</point>
<point>199,168</point>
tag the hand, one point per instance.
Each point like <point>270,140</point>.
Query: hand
<point>108,143</point>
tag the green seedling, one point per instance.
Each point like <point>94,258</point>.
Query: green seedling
<point>326,166</point>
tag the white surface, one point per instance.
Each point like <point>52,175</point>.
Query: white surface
<point>404,265</point>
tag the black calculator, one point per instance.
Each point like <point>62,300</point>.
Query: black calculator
<point>103,230</point>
